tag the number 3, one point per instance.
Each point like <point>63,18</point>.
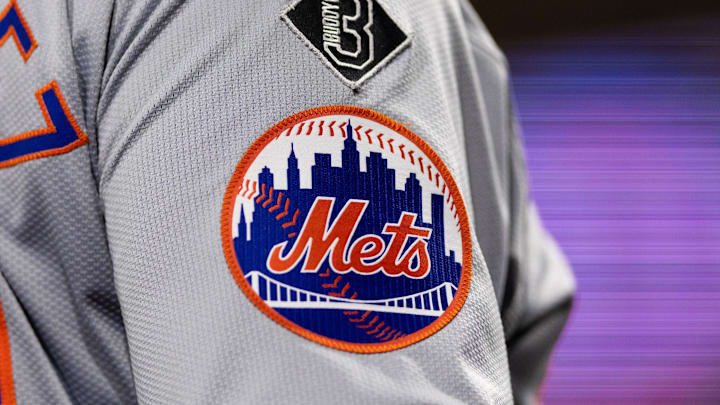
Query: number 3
<point>360,23</point>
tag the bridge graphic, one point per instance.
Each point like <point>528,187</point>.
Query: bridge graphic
<point>432,302</point>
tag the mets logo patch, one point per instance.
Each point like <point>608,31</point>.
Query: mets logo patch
<point>347,228</point>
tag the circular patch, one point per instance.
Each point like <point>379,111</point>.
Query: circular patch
<point>346,228</point>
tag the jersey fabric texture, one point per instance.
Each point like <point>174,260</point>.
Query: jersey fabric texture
<point>115,288</point>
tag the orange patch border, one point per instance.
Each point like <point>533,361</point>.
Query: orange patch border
<point>12,33</point>
<point>237,273</point>
<point>82,138</point>
<point>7,389</point>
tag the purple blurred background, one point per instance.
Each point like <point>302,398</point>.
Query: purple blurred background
<point>622,130</point>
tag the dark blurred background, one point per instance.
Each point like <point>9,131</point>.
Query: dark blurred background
<point>508,20</point>
<point>620,107</point>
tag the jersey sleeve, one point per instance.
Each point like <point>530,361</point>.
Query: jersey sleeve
<point>539,292</point>
<point>533,283</point>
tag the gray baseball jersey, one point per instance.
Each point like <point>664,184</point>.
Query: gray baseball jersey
<point>286,201</point>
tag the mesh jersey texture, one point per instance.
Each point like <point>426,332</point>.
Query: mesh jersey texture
<point>114,285</point>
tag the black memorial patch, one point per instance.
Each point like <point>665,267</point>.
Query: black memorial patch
<point>354,37</point>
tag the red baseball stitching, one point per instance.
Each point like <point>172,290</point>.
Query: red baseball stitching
<point>276,206</point>
<point>270,196</point>
<point>267,198</point>
<point>377,328</point>
<point>362,317</point>
<point>282,214</point>
<point>334,284</point>
<point>262,196</point>
<point>410,153</point>
<point>383,332</point>
<point>367,133</point>
<point>342,128</point>
<point>342,293</point>
<point>369,324</point>
<point>294,220</point>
